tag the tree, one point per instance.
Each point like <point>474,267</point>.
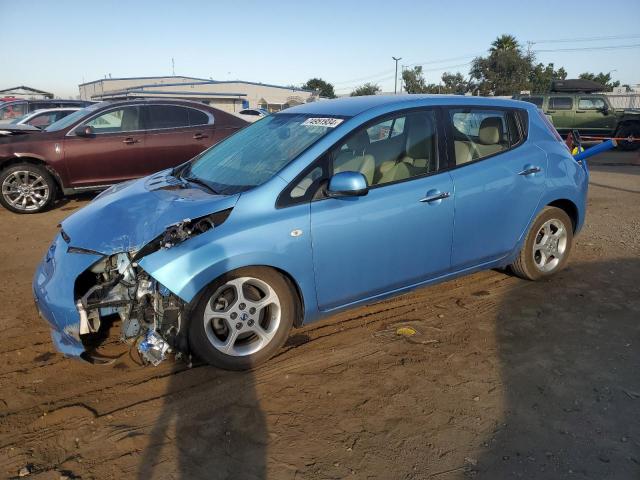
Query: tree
<point>505,70</point>
<point>366,89</point>
<point>325,89</point>
<point>601,78</point>
<point>454,83</point>
<point>413,80</point>
<point>541,76</point>
<point>505,42</point>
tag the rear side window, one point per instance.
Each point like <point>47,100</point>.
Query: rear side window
<point>197,117</point>
<point>537,101</point>
<point>480,133</point>
<point>167,116</point>
<point>560,103</point>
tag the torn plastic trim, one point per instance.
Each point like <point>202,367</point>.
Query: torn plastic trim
<point>179,232</point>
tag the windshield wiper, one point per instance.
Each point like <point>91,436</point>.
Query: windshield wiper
<point>200,182</point>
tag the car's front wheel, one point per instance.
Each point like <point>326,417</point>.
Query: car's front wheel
<point>242,319</point>
<point>26,188</point>
<point>547,246</point>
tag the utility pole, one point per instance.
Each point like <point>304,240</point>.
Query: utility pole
<point>395,86</point>
<point>173,67</point>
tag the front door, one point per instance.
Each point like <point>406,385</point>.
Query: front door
<point>397,235</point>
<point>498,179</point>
<point>113,153</point>
<point>593,116</point>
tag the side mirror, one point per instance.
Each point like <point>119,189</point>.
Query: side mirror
<point>605,110</point>
<point>84,131</point>
<point>347,184</point>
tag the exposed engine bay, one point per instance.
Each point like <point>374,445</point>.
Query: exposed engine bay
<point>117,287</point>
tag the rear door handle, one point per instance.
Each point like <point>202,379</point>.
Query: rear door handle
<point>200,136</point>
<point>130,140</point>
<point>435,196</point>
<point>530,170</point>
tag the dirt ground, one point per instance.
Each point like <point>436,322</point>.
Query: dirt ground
<point>504,379</point>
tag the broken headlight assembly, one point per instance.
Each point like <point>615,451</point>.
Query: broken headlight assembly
<point>116,287</point>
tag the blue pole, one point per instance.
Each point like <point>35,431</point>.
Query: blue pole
<point>602,147</point>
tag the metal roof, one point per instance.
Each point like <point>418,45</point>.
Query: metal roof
<point>351,106</point>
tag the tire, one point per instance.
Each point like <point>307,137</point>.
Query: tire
<point>236,333</point>
<point>27,188</point>
<point>539,259</point>
<point>629,130</point>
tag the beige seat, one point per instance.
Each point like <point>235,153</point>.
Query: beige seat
<point>464,152</point>
<point>490,136</point>
<point>394,171</point>
<point>355,158</point>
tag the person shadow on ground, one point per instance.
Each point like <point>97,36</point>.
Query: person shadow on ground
<point>212,422</point>
<point>569,350</point>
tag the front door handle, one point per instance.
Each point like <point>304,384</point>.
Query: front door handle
<point>200,136</point>
<point>530,170</point>
<point>130,141</point>
<point>435,196</point>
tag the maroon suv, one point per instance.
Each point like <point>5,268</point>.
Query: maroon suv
<point>103,144</point>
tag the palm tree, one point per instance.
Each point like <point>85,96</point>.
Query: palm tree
<point>504,42</point>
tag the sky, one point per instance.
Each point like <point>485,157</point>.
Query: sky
<point>56,45</point>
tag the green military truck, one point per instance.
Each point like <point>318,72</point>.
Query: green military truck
<point>577,105</point>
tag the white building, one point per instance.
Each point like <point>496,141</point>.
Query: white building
<point>230,96</point>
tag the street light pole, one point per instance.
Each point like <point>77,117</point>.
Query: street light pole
<point>395,86</point>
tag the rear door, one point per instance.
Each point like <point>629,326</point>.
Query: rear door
<point>115,152</point>
<point>562,111</point>
<point>593,116</point>
<point>498,179</point>
<point>176,134</point>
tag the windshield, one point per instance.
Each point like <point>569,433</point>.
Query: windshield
<point>256,153</point>
<point>71,118</point>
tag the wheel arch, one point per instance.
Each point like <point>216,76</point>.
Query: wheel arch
<point>570,208</point>
<point>8,162</point>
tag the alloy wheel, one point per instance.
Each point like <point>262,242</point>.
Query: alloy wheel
<point>25,190</point>
<point>550,245</point>
<point>242,316</point>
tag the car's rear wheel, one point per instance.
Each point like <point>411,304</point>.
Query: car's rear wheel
<point>26,188</point>
<point>547,246</point>
<point>242,318</point>
<point>626,131</point>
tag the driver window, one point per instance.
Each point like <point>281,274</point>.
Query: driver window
<point>395,149</point>
<point>114,121</point>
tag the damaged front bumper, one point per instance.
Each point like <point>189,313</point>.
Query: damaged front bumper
<point>53,292</point>
<point>75,290</point>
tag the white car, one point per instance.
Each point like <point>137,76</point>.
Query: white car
<point>253,114</point>
<point>37,120</point>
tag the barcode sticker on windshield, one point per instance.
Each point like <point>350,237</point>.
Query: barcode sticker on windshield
<point>323,122</point>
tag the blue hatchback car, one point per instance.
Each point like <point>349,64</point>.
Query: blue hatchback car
<point>313,210</point>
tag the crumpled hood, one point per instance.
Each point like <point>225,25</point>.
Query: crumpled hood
<point>137,212</point>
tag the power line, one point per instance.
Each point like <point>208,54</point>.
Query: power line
<point>587,39</point>
<point>575,49</point>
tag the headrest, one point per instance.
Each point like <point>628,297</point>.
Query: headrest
<point>359,142</point>
<point>490,131</point>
